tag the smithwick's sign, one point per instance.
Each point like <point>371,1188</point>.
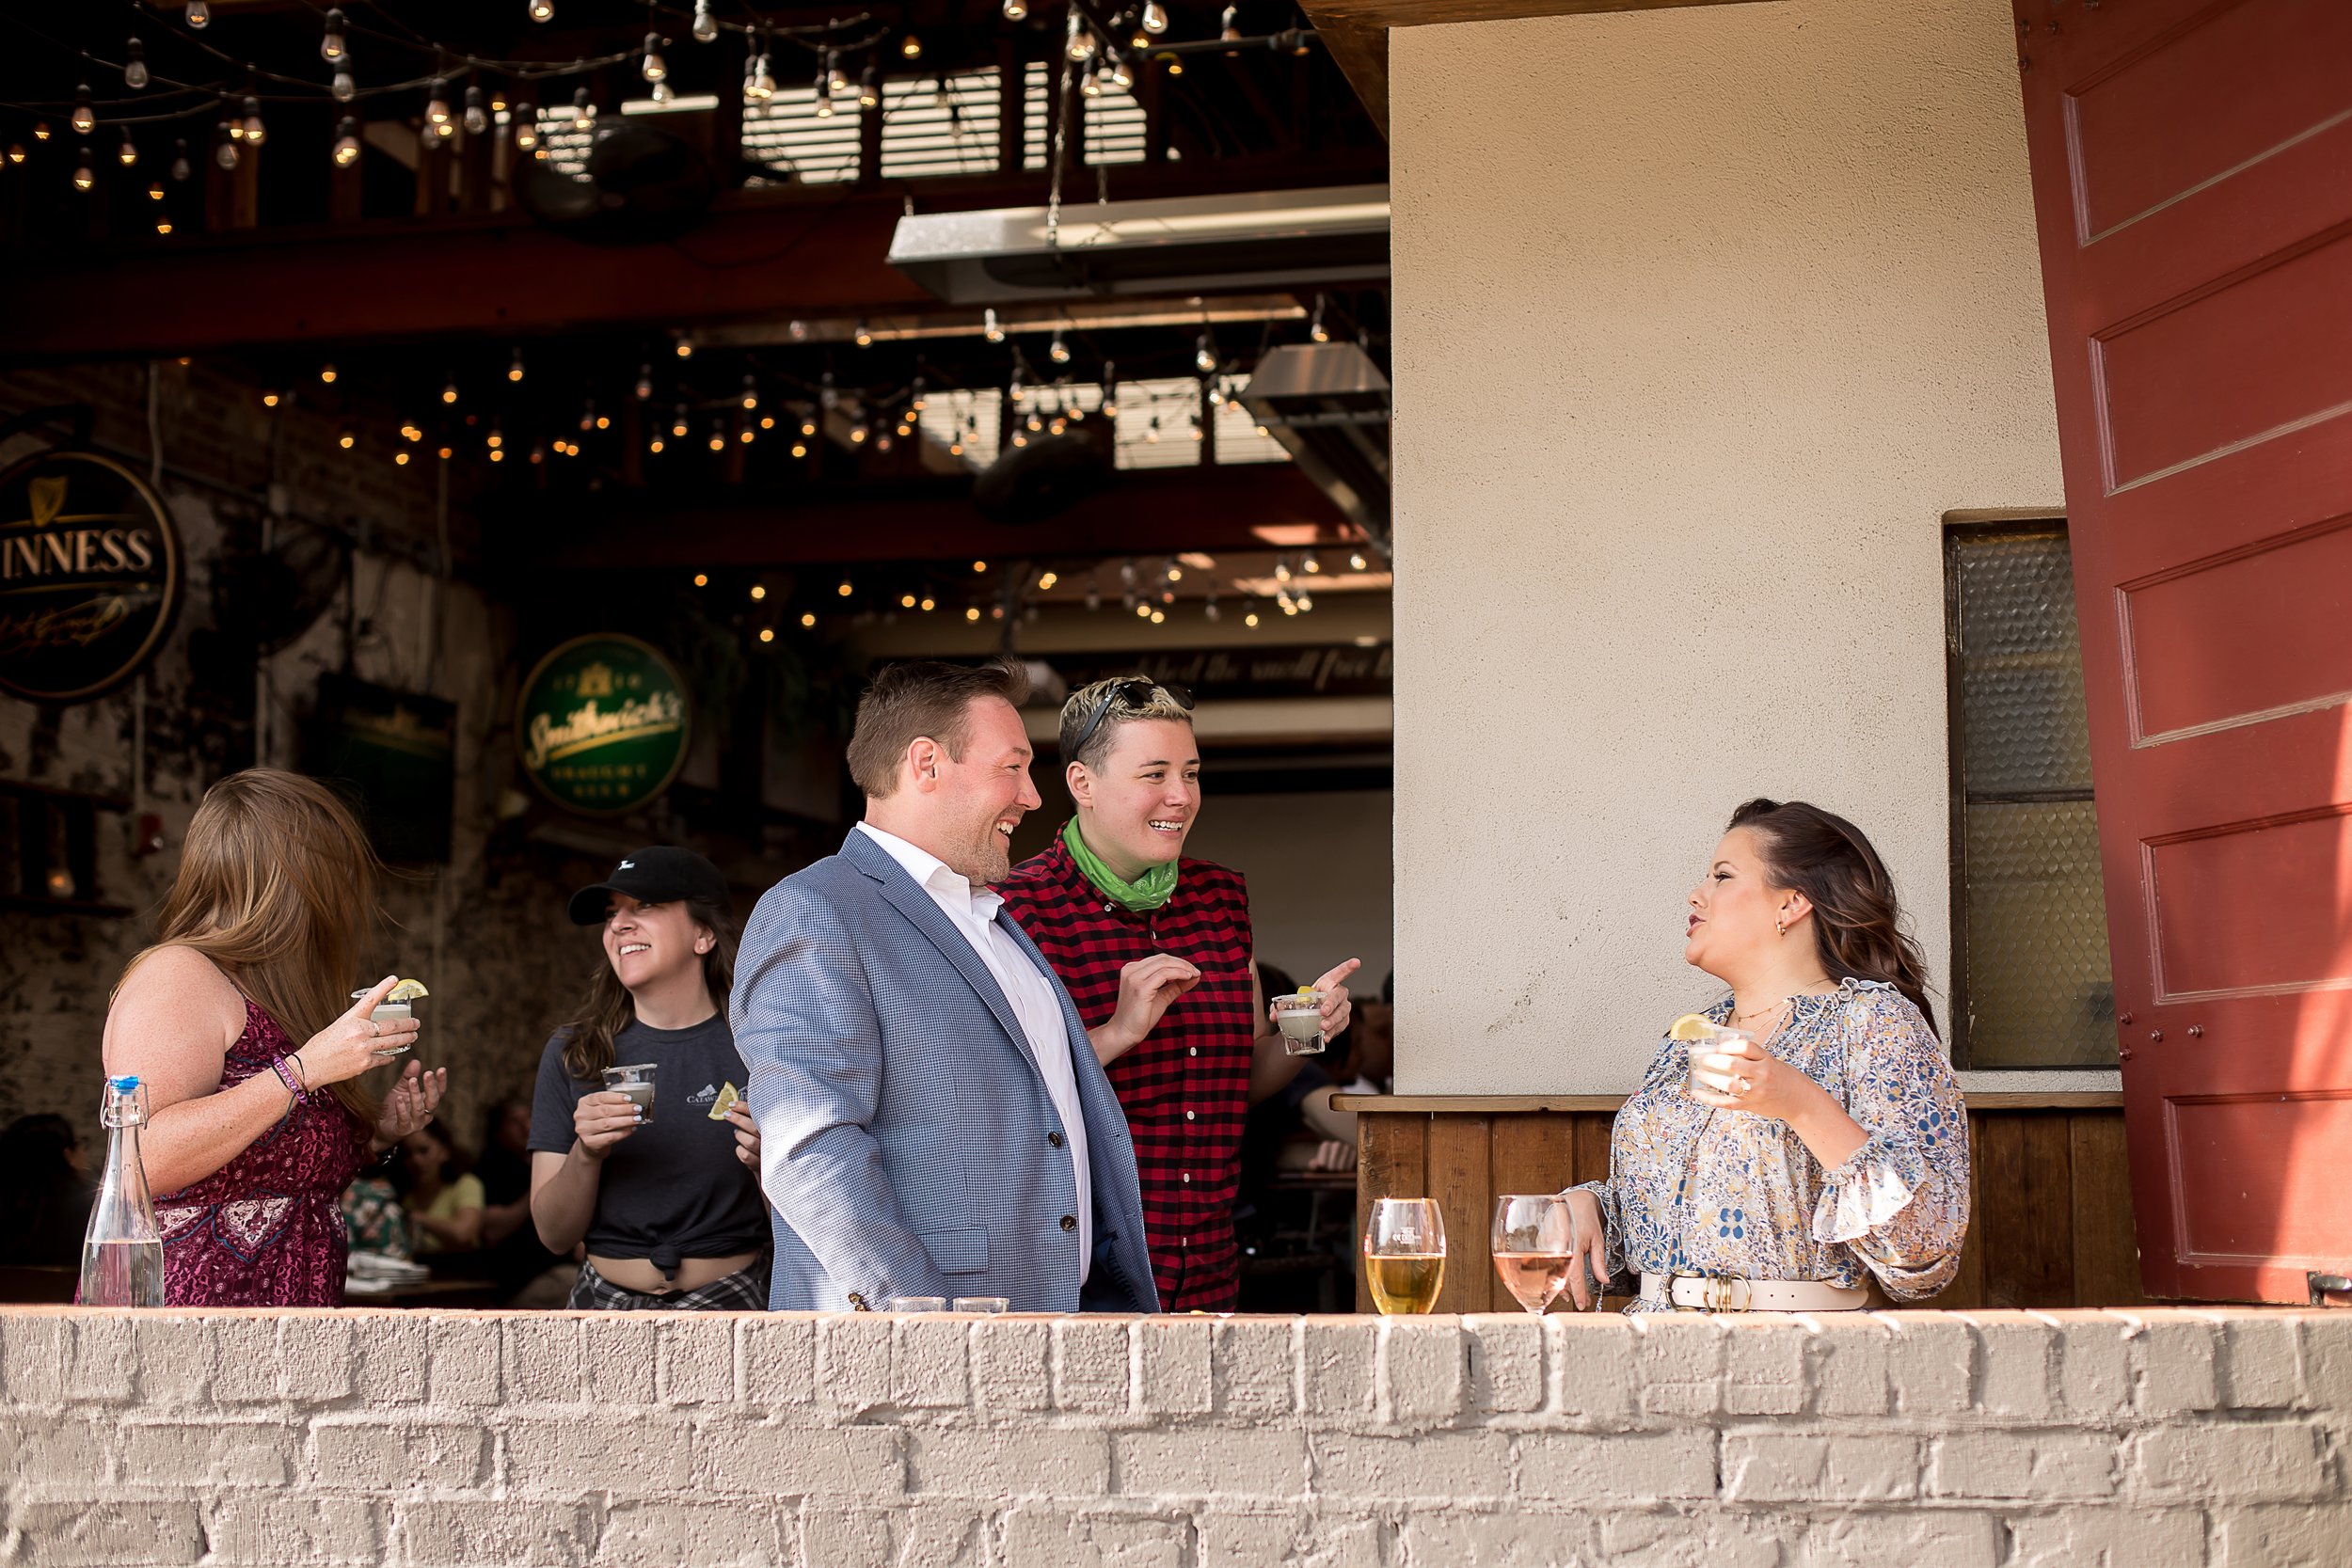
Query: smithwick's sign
<point>602,724</point>
<point>90,576</point>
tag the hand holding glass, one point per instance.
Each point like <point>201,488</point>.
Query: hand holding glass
<point>1534,1246</point>
<point>1405,1253</point>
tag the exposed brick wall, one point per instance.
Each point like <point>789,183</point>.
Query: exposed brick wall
<point>1898,1440</point>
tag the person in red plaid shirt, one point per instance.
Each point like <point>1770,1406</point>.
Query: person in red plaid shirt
<point>1132,927</point>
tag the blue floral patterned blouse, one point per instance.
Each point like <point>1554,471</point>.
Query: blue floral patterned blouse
<point>1695,1189</point>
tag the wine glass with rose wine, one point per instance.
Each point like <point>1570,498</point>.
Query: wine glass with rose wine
<point>1534,1246</point>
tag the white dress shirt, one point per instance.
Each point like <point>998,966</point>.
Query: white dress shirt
<point>1035,1005</point>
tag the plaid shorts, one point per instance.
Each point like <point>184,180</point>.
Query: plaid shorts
<point>744,1291</point>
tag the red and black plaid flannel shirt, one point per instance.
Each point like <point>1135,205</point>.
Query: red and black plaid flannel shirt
<point>1185,1088</point>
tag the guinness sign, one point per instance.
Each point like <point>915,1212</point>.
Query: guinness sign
<point>90,576</point>
<point>601,724</point>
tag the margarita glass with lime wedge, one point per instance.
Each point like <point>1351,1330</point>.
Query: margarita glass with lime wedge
<point>1299,1015</point>
<point>396,1006</point>
<point>1703,1037</point>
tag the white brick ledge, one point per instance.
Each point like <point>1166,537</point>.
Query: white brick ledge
<point>1895,1440</point>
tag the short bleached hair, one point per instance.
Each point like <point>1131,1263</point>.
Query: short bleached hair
<point>1125,708</point>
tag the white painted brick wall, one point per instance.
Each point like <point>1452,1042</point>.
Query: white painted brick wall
<point>1898,1440</point>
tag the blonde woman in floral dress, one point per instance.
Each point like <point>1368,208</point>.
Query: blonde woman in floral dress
<point>1831,1151</point>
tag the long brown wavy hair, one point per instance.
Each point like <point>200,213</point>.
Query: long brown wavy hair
<point>1857,926</point>
<point>277,886</point>
<point>607,1008</point>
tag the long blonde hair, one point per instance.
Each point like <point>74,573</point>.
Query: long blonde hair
<point>277,886</point>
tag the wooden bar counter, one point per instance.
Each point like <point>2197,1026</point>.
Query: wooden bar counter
<point>2050,1206</point>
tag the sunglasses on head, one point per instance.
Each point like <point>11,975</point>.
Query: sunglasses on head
<point>1133,693</point>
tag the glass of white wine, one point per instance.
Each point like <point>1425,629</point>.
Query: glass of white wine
<point>1534,1246</point>
<point>1405,1253</point>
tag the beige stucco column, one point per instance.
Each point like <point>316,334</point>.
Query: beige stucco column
<point>1706,318</point>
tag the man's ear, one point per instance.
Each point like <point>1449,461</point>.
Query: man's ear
<point>923,759</point>
<point>1081,784</point>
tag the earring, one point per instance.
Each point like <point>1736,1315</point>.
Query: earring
<point>1779,929</point>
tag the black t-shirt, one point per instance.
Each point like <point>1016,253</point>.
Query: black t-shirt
<point>674,1188</point>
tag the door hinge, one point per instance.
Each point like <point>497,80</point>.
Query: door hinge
<point>2325,1284</point>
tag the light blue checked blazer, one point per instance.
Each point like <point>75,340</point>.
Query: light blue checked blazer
<point>908,1145</point>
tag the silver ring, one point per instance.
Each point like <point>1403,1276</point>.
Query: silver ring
<point>1743,1086</point>
<point>375,1030</point>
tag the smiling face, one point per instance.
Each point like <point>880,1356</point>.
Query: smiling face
<point>649,944</point>
<point>972,806</point>
<point>1137,807</point>
<point>1730,929</point>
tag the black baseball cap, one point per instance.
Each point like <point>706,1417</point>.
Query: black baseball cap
<point>657,874</point>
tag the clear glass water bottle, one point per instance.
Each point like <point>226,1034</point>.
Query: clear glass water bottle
<point>122,1252</point>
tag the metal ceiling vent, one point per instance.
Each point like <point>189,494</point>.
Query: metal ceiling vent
<point>1328,404</point>
<point>1249,240</point>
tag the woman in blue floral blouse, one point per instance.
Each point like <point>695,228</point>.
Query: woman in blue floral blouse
<point>1786,1172</point>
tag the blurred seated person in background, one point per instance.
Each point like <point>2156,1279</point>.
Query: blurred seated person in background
<point>1138,934</point>
<point>375,1217</point>
<point>511,1255</point>
<point>445,1206</point>
<point>45,1192</point>
<point>666,1199</point>
<point>1829,1150</point>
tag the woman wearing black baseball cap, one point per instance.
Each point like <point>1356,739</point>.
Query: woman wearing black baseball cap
<point>664,1187</point>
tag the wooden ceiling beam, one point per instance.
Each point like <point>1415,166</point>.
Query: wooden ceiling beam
<point>1357,31</point>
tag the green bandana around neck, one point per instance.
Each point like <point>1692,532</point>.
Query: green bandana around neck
<point>1155,887</point>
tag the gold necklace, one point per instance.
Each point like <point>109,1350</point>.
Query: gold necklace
<point>1760,1012</point>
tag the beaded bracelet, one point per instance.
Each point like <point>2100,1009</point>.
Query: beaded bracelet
<point>286,1077</point>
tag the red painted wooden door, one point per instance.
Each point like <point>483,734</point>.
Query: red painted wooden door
<point>2192,171</point>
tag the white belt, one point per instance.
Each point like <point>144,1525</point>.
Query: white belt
<point>1720,1293</point>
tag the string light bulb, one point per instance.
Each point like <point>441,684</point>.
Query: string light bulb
<point>326,373</point>
<point>542,10</point>
<point>1059,351</point>
<point>1315,329</point>
<point>1205,355</point>
<point>477,112</point>
<point>255,132</point>
<point>526,127</point>
<point>1311,562</point>
<point>1121,73</point>
<point>914,396</point>
<point>825,96</point>
<point>911,47</point>
<point>129,151</point>
<point>40,130</point>
<point>347,439</point>
<point>180,169</point>
<point>846,589</point>
<point>155,191</point>
<point>344,88</point>
<point>837,79</point>
<point>1110,390</point>
<point>759,82</point>
<point>134,65</point>
<point>331,47</point>
<point>85,118</point>
<point>583,111</point>
<point>989,326</point>
<point>751,391</point>
<point>1229,30</point>
<point>16,151</point>
<point>677,422</point>
<point>1016,10</point>
<point>449,390</point>
<point>514,367</point>
<point>868,88</point>
<point>1356,562</point>
<point>655,68</point>
<point>198,16</point>
<point>644,382</point>
<point>864,336</point>
<point>1079,43</point>
<point>83,178</point>
<point>1154,18</point>
<point>437,105</point>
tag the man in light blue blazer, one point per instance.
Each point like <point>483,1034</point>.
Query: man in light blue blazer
<point>933,1118</point>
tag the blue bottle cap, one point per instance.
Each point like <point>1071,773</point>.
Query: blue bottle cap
<point>123,1084</point>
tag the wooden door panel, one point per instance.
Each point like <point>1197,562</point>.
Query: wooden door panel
<point>2211,97</point>
<point>2266,353</point>
<point>2192,167</point>
<point>2254,634</point>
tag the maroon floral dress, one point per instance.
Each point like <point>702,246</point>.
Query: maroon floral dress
<point>265,1230</point>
